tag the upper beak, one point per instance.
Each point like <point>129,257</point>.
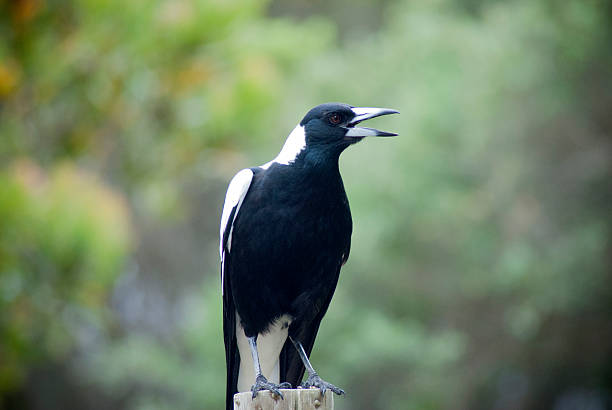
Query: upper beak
<point>365,113</point>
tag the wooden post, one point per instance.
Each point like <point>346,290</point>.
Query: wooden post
<point>294,399</point>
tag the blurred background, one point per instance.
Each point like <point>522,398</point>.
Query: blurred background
<point>481,270</point>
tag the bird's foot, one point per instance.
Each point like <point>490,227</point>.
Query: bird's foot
<point>315,381</point>
<point>261,383</point>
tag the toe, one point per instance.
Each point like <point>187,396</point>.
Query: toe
<point>337,390</point>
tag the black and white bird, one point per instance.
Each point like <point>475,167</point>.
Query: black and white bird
<point>285,233</point>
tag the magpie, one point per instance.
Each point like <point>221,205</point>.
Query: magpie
<point>285,233</point>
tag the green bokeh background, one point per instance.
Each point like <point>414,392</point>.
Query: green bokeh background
<point>480,273</point>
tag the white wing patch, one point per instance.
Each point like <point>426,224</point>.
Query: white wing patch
<point>295,143</point>
<point>236,192</point>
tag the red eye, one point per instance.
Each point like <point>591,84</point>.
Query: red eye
<point>335,119</point>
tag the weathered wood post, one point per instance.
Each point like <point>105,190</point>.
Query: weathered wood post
<point>294,399</point>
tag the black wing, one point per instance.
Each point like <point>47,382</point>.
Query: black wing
<point>236,192</point>
<point>232,356</point>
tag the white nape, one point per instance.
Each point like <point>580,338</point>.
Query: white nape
<point>269,346</point>
<point>295,143</point>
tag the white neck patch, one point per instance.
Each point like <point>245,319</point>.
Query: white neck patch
<point>295,143</point>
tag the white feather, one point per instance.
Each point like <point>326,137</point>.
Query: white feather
<point>295,143</point>
<point>269,346</point>
<point>236,192</point>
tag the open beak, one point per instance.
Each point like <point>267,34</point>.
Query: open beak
<point>365,113</point>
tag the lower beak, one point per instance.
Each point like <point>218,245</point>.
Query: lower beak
<point>365,113</point>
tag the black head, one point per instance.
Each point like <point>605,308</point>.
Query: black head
<point>331,126</point>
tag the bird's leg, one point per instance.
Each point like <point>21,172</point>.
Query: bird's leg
<point>261,383</point>
<point>313,378</point>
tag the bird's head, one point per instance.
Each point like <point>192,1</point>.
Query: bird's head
<point>333,125</point>
<point>327,130</point>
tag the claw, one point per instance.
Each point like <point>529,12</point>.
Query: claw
<point>261,383</point>
<point>315,381</point>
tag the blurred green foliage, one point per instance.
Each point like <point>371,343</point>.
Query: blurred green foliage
<point>59,256</point>
<point>480,270</point>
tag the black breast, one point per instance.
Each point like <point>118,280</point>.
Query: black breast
<point>291,235</point>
